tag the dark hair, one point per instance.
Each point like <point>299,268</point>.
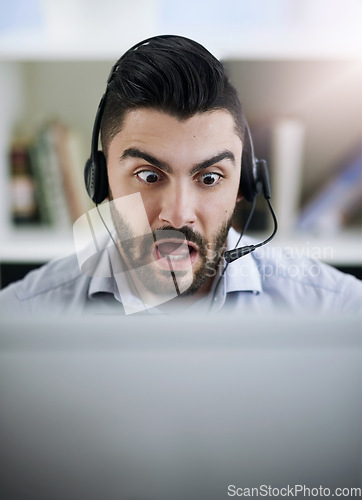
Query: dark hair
<point>172,74</point>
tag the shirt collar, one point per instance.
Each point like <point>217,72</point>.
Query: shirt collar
<point>102,281</point>
<point>242,274</point>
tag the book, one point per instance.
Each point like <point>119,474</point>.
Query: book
<point>69,150</point>
<point>24,206</point>
<point>57,162</point>
<point>38,162</point>
<point>50,184</point>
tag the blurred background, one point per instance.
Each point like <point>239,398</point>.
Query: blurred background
<point>297,65</point>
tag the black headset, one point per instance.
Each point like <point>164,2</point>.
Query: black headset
<point>254,178</point>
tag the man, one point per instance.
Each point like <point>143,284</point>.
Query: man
<point>176,159</point>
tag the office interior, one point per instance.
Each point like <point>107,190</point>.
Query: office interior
<point>296,66</point>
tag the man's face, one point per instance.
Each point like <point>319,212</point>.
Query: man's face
<point>187,173</point>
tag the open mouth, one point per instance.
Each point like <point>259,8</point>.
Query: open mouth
<point>174,254</point>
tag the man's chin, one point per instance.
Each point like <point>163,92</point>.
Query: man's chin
<point>168,265</point>
<point>162,282</point>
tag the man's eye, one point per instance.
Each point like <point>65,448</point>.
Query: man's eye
<point>148,176</point>
<point>210,178</point>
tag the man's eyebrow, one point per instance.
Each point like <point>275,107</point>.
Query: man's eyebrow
<point>136,153</point>
<point>228,155</point>
<point>164,166</point>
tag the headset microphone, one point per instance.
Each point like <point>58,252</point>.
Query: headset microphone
<point>263,185</point>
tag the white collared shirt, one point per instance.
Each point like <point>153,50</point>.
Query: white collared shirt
<point>263,281</point>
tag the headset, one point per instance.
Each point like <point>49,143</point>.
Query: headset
<point>254,178</point>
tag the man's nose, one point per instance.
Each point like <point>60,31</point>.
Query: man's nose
<point>178,207</point>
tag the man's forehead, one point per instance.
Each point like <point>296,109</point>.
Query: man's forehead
<point>148,124</point>
<point>149,113</point>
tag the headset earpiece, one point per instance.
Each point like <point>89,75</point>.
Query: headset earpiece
<point>96,177</point>
<point>263,182</point>
<point>254,178</point>
<point>247,180</point>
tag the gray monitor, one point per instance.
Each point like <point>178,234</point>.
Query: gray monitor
<point>169,408</point>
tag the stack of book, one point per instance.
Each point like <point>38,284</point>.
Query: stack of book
<point>47,178</point>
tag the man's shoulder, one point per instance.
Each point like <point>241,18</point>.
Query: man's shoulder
<point>286,273</point>
<point>53,275</point>
<point>56,284</point>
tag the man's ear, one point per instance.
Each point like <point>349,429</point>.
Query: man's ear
<point>240,197</point>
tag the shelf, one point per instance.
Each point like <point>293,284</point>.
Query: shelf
<point>20,50</point>
<point>36,246</point>
<point>41,246</point>
<point>282,29</point>
<point>344,248</point>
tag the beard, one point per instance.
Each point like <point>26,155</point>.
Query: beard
<point>138,254</point>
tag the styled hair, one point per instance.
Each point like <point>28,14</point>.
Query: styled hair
<point>171,74</point>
